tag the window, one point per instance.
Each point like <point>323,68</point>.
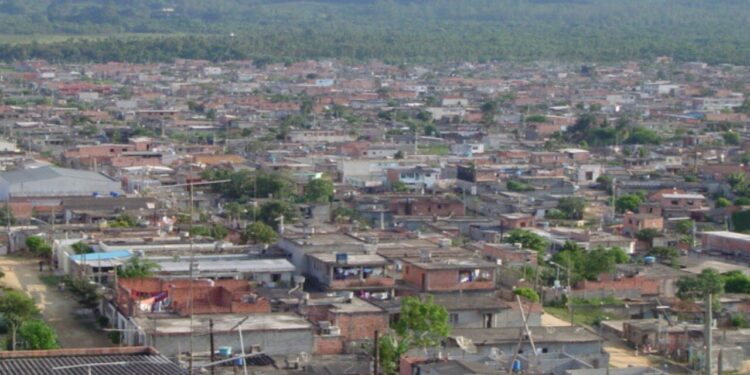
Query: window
<point>487,320</point>
<point>275,277</point>
<point>675,202</point>
<point>454,319</point>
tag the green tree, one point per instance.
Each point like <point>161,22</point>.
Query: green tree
<point>648,235</point>
<point>518,186</point>
<point>666,254</point>
<point>37,335</point>
<point>709,281</point>
<point>527,239</point>
<point>271,211</point>
<point>319,190</point>
<point>527,293</point>
<point>16,308</point>
<point>572,207</point>
<point>722,202</point>
<point>6,214</point>
<point>81,247</point>
<point>399,187</point>
<point>39,246</point>
<point>628,202</point>
<point>421,324</point>
<point>86,292</point>
<point>259,232</point>
<point>136,267</point>
<point>124,221</point>
<point>736,282</point>
<point>731,138</point>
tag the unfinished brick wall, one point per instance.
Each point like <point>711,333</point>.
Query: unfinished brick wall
<point>222,296</point>
<point>355,327</point>
<point>328,345</point>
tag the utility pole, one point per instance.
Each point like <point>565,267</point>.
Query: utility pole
<point>211,337</point>
<point>707,334</point>
<point>377,353</point>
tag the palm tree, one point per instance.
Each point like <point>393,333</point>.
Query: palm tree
<point>137,267</point>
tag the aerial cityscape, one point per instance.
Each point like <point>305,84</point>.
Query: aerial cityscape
<point>325,187</point>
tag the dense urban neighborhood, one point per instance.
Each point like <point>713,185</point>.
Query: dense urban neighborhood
<point>339,217</point>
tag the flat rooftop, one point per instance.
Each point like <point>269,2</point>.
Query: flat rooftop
<point>489,336</point>
<point>727,234</point>
<point>229,265</point>
<point>328,239</point>
<point>453,263</point>
<point>352,259</point>
<point>224,322</point>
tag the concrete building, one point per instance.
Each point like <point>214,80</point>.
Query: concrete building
<point>726,242</point>
<point>277,334</point>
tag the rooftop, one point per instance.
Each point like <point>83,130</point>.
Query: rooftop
<point>489,336</point>
<point>352,259</point>
<point>223,323</point>
<point>221,265</point>
<point>111,361</point>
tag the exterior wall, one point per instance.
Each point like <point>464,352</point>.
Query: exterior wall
<point>443,280</point>
<point>622,288</point>
<point>328,345</point>
<point>271,342</point>
<point>427,207</point>
<point>360,326</point>
<point>681,203</point>
<point>724,243</point>
<point>512,223</point>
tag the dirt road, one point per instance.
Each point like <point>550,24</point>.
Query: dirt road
<point>58,308</point>
<point>620,356</point>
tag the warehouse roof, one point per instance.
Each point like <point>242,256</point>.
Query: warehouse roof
<point>56,182</point>
<point>112,361</point>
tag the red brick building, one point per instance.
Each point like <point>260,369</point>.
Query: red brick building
<point>449,275</point>
<point>143,295</point>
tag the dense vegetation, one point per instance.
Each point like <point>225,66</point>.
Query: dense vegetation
<point>393,30</point>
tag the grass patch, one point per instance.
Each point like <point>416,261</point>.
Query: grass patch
<point>440,150</point>
<point>587,316</point>
<point>50,280</point>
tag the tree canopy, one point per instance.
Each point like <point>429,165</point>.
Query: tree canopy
<point>527,239</point>
<point>16,308</point>
<point>137,267</point>
<point>396,31</point>
<point>37,335</point>
<point>259,232</point>
<point>421,324</point>
<point>319,190</point>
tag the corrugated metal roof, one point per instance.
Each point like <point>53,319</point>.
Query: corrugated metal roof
<point>54,181</point>
<point>144,364</point>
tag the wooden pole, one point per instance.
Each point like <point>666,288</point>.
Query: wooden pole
<point>211,337</point>
<point>377,353</point>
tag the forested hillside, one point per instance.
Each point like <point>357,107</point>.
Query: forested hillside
<point>393,30</point>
